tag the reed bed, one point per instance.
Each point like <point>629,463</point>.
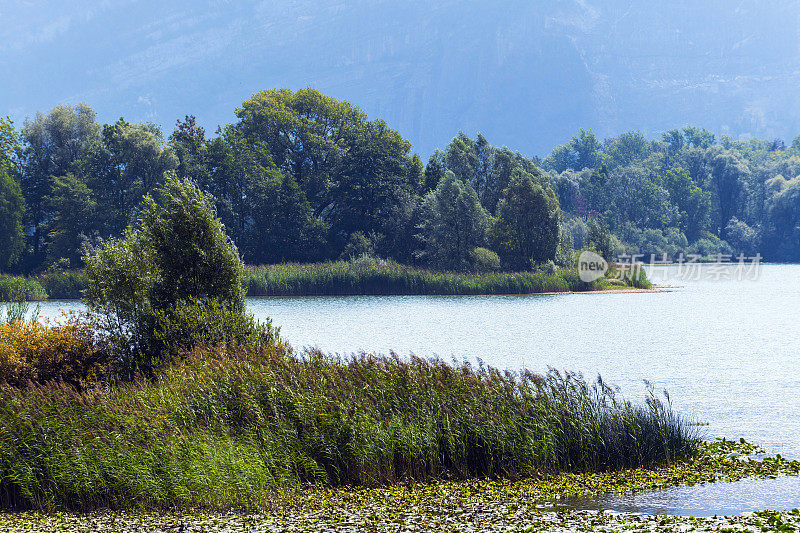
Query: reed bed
<point>228,428</point>
<point>56,285</point>
<point>388,278</point>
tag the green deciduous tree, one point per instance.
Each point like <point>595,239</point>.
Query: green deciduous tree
<point>693,203</point>
<point>12,210</point>
<point>9,144</point>
<point>728,174</point>
<point>600,239</point>
<point>626,149</point>
<point>128,163</point>
<point>526,231</point>
<point>347,166</point>
<point>283,226</point>
<point>51,146</point>
<point>74,219</point>
<point>453,224</point>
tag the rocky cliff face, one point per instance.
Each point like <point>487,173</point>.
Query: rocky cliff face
<point>525,73</point>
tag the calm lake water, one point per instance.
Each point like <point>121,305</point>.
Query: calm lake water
<point>727,350</point>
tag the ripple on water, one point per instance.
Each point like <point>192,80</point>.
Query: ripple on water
<point>746,495</point>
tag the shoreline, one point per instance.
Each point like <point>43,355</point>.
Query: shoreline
<point>625,290</point>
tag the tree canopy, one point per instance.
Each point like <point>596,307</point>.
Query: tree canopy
<point>302,176</point>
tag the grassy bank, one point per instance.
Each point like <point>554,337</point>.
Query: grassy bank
<point>233,428</point>
<point>347,278</point>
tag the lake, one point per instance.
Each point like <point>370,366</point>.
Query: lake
<point>727,350</point>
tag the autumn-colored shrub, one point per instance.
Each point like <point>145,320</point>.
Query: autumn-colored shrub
<point>67,352</point>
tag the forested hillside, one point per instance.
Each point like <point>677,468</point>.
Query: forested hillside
<point>525,74</point>
<point>304,177</point>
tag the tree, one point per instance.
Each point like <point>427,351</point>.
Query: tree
<point>434,171</point>
<point>587,150</point>
<point>12,210</point>
<point>9,144</point>
<point>129,163</point>
<point>600,239</point>
<point>283,226</point>
<point>188,143</point>
<point>742,238</point>
<point>172,281</point>
<point>698,137</point>
<point>74,219</point>
<point>527,228</point>
<point>52,144</point>
<point>504,163</point>
<point>307,134</point>
<point>728,174</point>
<point>595,194</point>
<point>627,148</point>
<point>674,141</point>
<point>453,224</point>
<point>486,168</point>
<point>640,198</point>
<point>347,166</point>
<point>562,158</point>
<point>782,235</point>
<point>376,167</point>
<point>693,203</point>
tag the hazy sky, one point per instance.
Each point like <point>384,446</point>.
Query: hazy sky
<point>527,74</point>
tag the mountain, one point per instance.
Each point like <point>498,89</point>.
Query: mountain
<point>527,74</point>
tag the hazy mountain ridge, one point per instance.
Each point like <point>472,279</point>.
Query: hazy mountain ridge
<point>527,74</point>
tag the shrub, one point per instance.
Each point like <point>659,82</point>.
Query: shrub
<point>171,276</point>
<point>63,284</point>
<point>359,244</point>
<point>485,260</point>
<point>600,239</point>
<point>207,323</point>
<point>710,245</point>
<point>32,352</point>
<point>13,288</point>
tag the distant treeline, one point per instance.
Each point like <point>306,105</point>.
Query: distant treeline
<point>302,177</point>
<point>686,192</point>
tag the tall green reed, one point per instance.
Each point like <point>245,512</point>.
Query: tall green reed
<point>228,427</point>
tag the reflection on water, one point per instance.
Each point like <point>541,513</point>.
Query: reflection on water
<point>728,351</point>
<point>781,494</point>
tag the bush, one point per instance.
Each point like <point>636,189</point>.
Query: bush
<point>485,260</point>
<point>63,284</point>
<point>169,280</point>
<point>359,245</point>
<point>600,239</point>
<point>13,288</point>
<point>710,245</point>
<point>207,323</point>
<point>32,352</point>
